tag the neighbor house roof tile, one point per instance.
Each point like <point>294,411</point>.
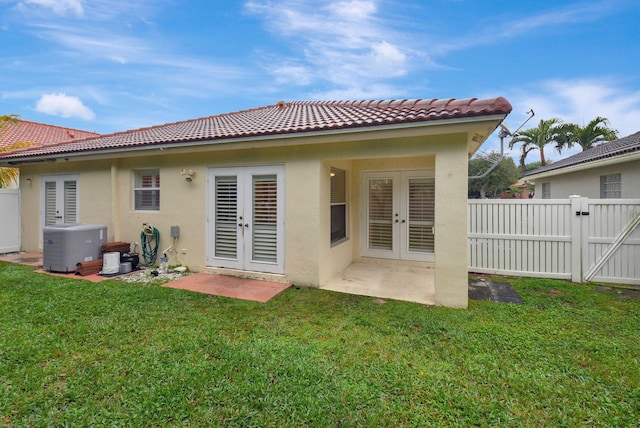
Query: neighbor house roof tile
<point>38,134</point>
<point>284,118</point>
<point>628,144</point>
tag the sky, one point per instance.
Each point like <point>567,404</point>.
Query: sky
<point>112,65</point>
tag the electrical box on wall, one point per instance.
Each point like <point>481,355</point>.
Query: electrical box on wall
<point>175,231</point>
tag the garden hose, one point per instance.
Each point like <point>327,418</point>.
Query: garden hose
<point>149,242</point>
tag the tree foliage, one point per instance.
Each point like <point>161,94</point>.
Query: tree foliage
<point>8,176</point>
<point>496,182</point>
<point>564,135</point>
<point>530,166</point>
<point>596,131</point>
<point>547,131</point>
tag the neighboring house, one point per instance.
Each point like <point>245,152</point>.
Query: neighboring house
<point>298,191</point>
<point>609,170</point>
<point>34,134</point>
<point>24,133</point>
<point>522,189</point>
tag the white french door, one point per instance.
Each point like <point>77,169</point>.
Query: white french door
<point>59,196</point>
<point>59,199</point>
<point>246,218</point>
<point>398,215</point>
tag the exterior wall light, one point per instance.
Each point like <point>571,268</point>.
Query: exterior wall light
<point>188,174</point>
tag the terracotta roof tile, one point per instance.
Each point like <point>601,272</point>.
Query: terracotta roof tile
<point>284,118</point>
<point>38,134</point>
<point>628,144</point>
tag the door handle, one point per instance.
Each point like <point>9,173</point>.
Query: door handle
<point>246,225</point>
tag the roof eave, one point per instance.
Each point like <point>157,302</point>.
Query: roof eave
<point>51,157</point>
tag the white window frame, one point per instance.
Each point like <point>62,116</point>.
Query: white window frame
<point>611,186</point>
<point>546,191</point>
<point>137,177</point>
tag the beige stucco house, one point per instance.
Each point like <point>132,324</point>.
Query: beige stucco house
<point>297,192</point>
<point>609,170</point>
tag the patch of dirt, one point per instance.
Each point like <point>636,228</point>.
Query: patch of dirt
<point>555,292</point>
<point>619,292</point>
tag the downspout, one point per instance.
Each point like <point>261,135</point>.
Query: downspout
<point>115,201</point>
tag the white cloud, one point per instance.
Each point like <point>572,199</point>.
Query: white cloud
<point>353,10</point>
<point>575,101</point>
<point>60,7</point>
<point>64,105</point>
<point>506,27</point>
<point>344,42</point>
<point>119,59</point>
<point>581,100</point>
<point>290,73</point>
<point>374,91</point>
<point>387,59</point>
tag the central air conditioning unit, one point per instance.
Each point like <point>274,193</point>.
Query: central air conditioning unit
<point>65,245</point>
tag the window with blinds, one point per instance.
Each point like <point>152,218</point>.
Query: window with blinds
<point>146,191</point>
<point>226,227</point>
<point>265,218</point>
<point>611,186</point>
<point>421,214</point>
<point>338,205</point>
<point>381,214</point>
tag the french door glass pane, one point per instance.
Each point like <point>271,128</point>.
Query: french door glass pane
<point>226,233</point>
<point>381,214</point>
<point>421,214</point>
<point>49,203</point>
<point>70,200</point>
<point>265,216</point>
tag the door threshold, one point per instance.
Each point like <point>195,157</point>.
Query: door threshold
<point>263,276</point>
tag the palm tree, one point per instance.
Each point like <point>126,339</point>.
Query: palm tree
<point>8,176</point>
<point>596,131</point>
<point>546,132</point>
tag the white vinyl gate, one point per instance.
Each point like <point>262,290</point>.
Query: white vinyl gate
<point>10,237</point>
<point>578,238</point>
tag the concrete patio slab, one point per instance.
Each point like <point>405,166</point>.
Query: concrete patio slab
<point>229,286</point>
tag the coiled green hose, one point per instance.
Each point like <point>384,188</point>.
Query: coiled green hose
<point>149,241</point>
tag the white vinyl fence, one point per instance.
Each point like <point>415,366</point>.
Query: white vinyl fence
<point>10,238</point>
<point>576,238</point>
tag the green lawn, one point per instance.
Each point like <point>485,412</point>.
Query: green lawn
<point>73,353</point>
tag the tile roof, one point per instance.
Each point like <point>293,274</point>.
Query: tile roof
<point>281,119</point>
<point>628,144</point>
<point>39,134</point>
